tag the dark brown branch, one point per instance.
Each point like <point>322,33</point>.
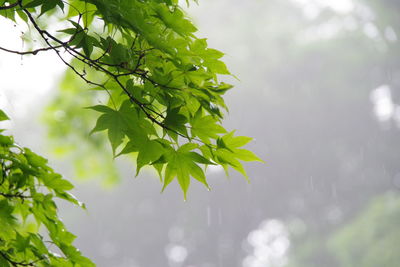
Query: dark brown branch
<point>98,66</point>
<point>33,52</point>
<point>54,48</point>
<point>17,195</point>
<point>87,61</point>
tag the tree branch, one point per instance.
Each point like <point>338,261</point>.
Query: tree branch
<point>33,52</point>
<point>17,195</point>
<point>98,66</point>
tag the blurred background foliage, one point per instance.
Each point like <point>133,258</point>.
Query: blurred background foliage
<point>370,239</point>
<point>319,90</point>
<point>69,126</point>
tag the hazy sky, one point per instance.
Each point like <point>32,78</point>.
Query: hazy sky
<point>24,81</point>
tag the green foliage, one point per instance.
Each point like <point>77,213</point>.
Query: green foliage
<point>69,128</point>
<point>28,191</point>
<point>370,239</point>
<point>161,80</point>
<point>160,99</point>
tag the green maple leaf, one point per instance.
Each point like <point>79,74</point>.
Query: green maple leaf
<point>112,121</point>
<point>175,121</point>
<point>55,182</point>
<point>21,242</point>
<point>229,153</point>
<point>182,165</point>
<point>149,151</point>
<point>121,122</point>
<point>205,127</point>
<point>6,218</point>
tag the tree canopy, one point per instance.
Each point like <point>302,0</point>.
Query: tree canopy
<point>164,104</point>
<point>28,189</point>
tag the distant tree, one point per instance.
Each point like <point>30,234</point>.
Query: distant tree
<point>371,238</point>
<point>164,104</point>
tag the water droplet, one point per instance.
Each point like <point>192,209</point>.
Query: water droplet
<point>208,216</point>
<point>311,183</point>
<point>334,191</point>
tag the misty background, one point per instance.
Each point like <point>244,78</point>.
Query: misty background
<point>318,88</point>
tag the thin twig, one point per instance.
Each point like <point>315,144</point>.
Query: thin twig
<point>17,195</point>
<point>33,52</point>
<point>98,66</point>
